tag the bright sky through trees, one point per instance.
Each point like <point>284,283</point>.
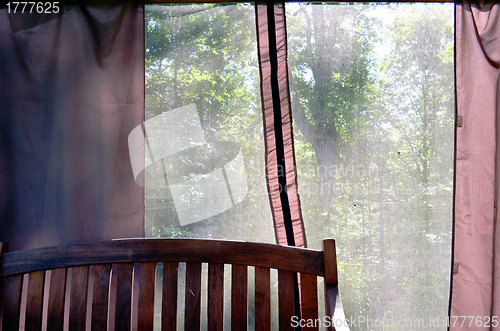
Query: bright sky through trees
<point>373,109</point>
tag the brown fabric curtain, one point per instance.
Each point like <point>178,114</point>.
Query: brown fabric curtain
<point>71,91</point>
<point>280,159</point>
<point>476,270</point>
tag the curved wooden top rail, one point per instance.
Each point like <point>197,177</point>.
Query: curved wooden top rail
<point>164,250</point>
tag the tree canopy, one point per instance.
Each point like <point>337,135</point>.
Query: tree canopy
<point>373,112</point>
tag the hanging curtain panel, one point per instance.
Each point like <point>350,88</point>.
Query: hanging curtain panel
<point>72,90</point>
<point>475,286</point>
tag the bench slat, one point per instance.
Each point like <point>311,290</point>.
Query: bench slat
<point>285,299</point>
<point>239,288</point>
<point>262,299</point>
<point>4,248</point>
<point>145,314</point>
<point>100,297</point>
<point>78,298</point>
<point>309,298</point>
<point>169,300</point>
<point>12,302</point>
<point>215,296</point>
<point>34,300</point>
<point>193,296</point>
<point>57,288</point>
<point>123,296</point>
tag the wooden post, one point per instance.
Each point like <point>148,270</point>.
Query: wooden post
<point>4,248</point>
<point>331,278</point>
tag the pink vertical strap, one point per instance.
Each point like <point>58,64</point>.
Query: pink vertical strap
<point>280,159</point>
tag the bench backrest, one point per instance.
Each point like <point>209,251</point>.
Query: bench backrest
<point>111,284</point>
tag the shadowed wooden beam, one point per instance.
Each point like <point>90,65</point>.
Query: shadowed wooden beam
<point>100,297</point>
<point>193,296</point>
<point>4,248</point>
<point>11,302</point>
<point>309,298</point>
<point>57,288</point>
<point>34,300</point>
<point>169,300</point>
<point>215,296</point>
<point>285,300</point>
<point>78,298</point>
<point>123,296</point>
<point>262,299</point>
<point>239,289</point>
<point>146,309</point>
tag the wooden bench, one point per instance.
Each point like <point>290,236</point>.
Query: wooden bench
<point>111,284</point>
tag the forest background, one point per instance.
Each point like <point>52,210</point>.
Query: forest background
<point>372,89</point>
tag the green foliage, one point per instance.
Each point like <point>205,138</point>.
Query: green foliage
<point>374,144</point>
<point>373,137</point>
<point>168,232</point>
<point>205,55</point>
